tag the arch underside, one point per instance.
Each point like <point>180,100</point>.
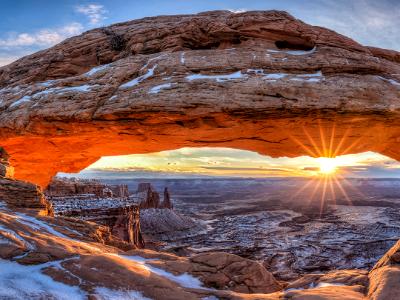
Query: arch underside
<point>37,158</point>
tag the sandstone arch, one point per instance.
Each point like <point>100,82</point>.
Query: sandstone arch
<point>260,81</point>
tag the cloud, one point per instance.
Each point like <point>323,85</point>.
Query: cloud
<point>7,60</point>
<point>42,38</point>
<point>368,22</point>
<point>243,169</point>
<point>94,12</point>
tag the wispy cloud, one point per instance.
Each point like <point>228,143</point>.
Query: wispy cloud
<point>94,12</point>
<point>7,60</point>
<point>15,45</point>
<point>43,37</point>
<point>368,22</point>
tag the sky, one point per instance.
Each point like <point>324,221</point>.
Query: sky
<point>226,162</point>
<point>27,26</point>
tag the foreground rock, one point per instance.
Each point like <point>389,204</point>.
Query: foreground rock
<point>261,81</point>
<point>61,258</point>
<point>385,276</point>
<point>19,194</point>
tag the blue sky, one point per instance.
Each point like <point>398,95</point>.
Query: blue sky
<point>27,26</point>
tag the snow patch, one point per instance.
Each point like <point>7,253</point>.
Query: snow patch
<point>136,81</point>
<point>27,282</point>
<point>94,70</point>
<point>313,77</point>
<point>80,88</point>
<point>218,78</point>
<point>184,280</point>
<point>275,76</point>
<point>12,235</point>
<point>57,90</point>
<point>108,294</point>
<point>47,83</point>
<point>24,99</point>
<point>182,58</point>
<point>158,88</point>
<point>391,81</point>
<point>38,225</point>
<point>294,52</point>
<point>325,284</point>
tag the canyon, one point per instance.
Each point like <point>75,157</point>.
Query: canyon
<point>262,81</point>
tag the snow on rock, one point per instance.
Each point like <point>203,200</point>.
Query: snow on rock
<point>38,225</point>
<point>95,70</point>
<point>218,78</point>
<point>22,282</point>
<point>391,81</point>
<point>58,90</point>
<point>24,99</point>
<point>182,59</point>
<point>103,293</point>
<point>275,76</point>
<point>294,52</point>
<point>47,83</point>
<point>325,284</point>
<point>184,280</point>
<point>3,205</point>
<point>11,235</point>
<point>156,89</point>
<point>80,88</point>
<point>137,80</point>
<point>312,77</point>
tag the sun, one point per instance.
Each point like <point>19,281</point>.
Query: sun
<point>327,166</point>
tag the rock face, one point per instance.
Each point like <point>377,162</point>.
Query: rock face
<point>261,81</point>
<point>167,203</point>
<point>124,223</point>
<point>19,194</point>
<point>385,276</point>
<point>59,187</point>
<point>228,271</point>
<point>127,226</point>
<point>147,197</point>
<point>168,225</point>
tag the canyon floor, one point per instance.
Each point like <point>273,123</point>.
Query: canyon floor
<point>285,223</point>
<point>313,251</point>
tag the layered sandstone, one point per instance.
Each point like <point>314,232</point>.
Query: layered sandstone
<point>261,81</point>
<point>61,187</point>
<point>147,197</point>
<point>20,194</point>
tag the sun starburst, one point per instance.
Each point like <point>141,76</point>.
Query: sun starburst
<point>328,181</point>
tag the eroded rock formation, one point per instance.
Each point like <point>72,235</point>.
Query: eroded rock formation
<point>20,194</point>
<point>262,81</point>
<point>147,197</point>
<point>59,187</point>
